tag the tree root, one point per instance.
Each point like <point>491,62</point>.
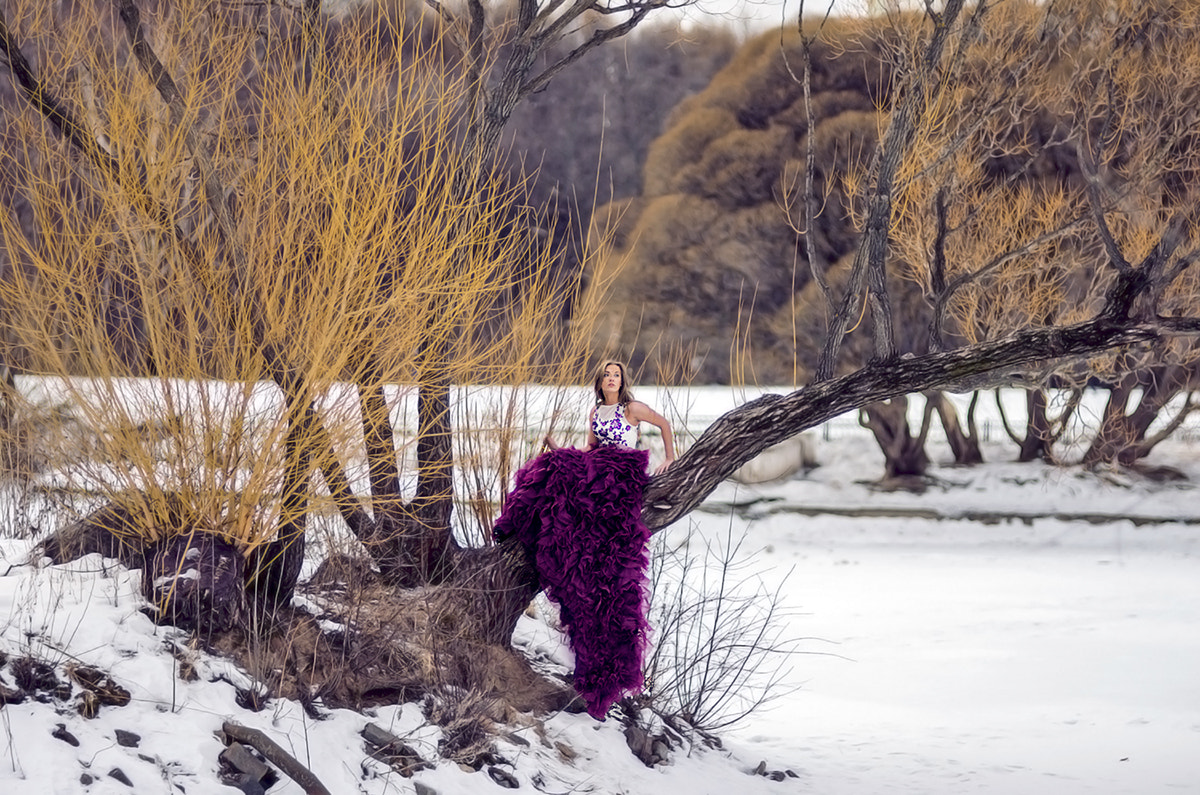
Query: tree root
<point>276,756</point>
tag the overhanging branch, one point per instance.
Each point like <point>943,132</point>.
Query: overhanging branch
<point>743,433</point>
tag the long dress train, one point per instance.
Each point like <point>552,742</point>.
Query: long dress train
<point>579,514</point>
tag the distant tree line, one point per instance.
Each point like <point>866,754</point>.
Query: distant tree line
<point>587,134</point>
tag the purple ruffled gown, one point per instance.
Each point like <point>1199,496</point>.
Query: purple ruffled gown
<point>579,514</point>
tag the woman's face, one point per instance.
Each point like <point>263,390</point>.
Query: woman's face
<point>611,382</point>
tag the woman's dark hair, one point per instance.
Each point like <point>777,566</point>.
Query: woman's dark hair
<point>624,395</point>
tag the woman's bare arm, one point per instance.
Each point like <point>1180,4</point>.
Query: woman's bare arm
<point>592,442</point>
<point>637,412</point>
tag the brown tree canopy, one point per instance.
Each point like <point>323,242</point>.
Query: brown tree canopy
<point>1052,117</point>
<point>714,255</point>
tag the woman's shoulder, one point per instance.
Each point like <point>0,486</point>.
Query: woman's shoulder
<point>635,408</point>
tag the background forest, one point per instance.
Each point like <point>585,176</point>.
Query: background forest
<point>721,275</point>
<point>680,151</point>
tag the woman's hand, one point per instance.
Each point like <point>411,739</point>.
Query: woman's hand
<point>548,443</point>
<point>664,466</point>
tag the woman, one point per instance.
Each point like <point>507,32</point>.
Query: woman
<point>614,419</point>
<point>578,514</point>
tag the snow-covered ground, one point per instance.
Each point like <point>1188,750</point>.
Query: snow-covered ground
<point>941,655</point>
<point>952,656</point>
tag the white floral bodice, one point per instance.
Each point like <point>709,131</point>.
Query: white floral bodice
<point>611,428</point>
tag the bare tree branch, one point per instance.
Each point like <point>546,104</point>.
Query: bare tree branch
<point>274,754</point>
<point>741,434</point>
<point>1064,417</point>
<point>1004,418</point>
<point>947,293</point>
<point>1087,163</point>
<point>598,37</point>
<point>1172,425</point>
<point>870,261</point>
<point>816,265</point>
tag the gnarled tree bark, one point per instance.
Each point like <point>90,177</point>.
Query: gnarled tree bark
<point>963,443</point>
<point>1122,434</point>
<point>904,455</point>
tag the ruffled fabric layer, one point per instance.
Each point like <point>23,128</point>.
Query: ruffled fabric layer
<point>579,514</point>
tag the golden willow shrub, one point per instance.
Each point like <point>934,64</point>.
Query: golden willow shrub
<point>350,234</point>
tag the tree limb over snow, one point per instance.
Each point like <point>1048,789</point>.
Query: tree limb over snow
<point>739,435</point>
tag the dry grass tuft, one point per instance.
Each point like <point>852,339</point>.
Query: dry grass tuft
<point>362,643</point>
<point>468,722</point>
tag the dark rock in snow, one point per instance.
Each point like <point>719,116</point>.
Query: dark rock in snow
<point>516,739</point>
<point>391,750</point>
<point>11,696</point>
<point>503,778</point>
<point>127,739</point>
<point>60,733</point>
<point>249,785</point>
<point>662,751</point>
<point>240,757</point>
<point>119,774</point>
<point>638,740</point>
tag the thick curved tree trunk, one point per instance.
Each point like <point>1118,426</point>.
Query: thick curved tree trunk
<point>1038,441</point>
<point>741,434</point>
<point>493,585</point>
<point>1122,435</point>
<point>1042,431</point>
<point>1114,433</point>
<point>963,443</point>
<point>275,567</point>
<point>903,454</point>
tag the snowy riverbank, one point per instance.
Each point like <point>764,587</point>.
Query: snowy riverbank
<point>1017,655</point>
